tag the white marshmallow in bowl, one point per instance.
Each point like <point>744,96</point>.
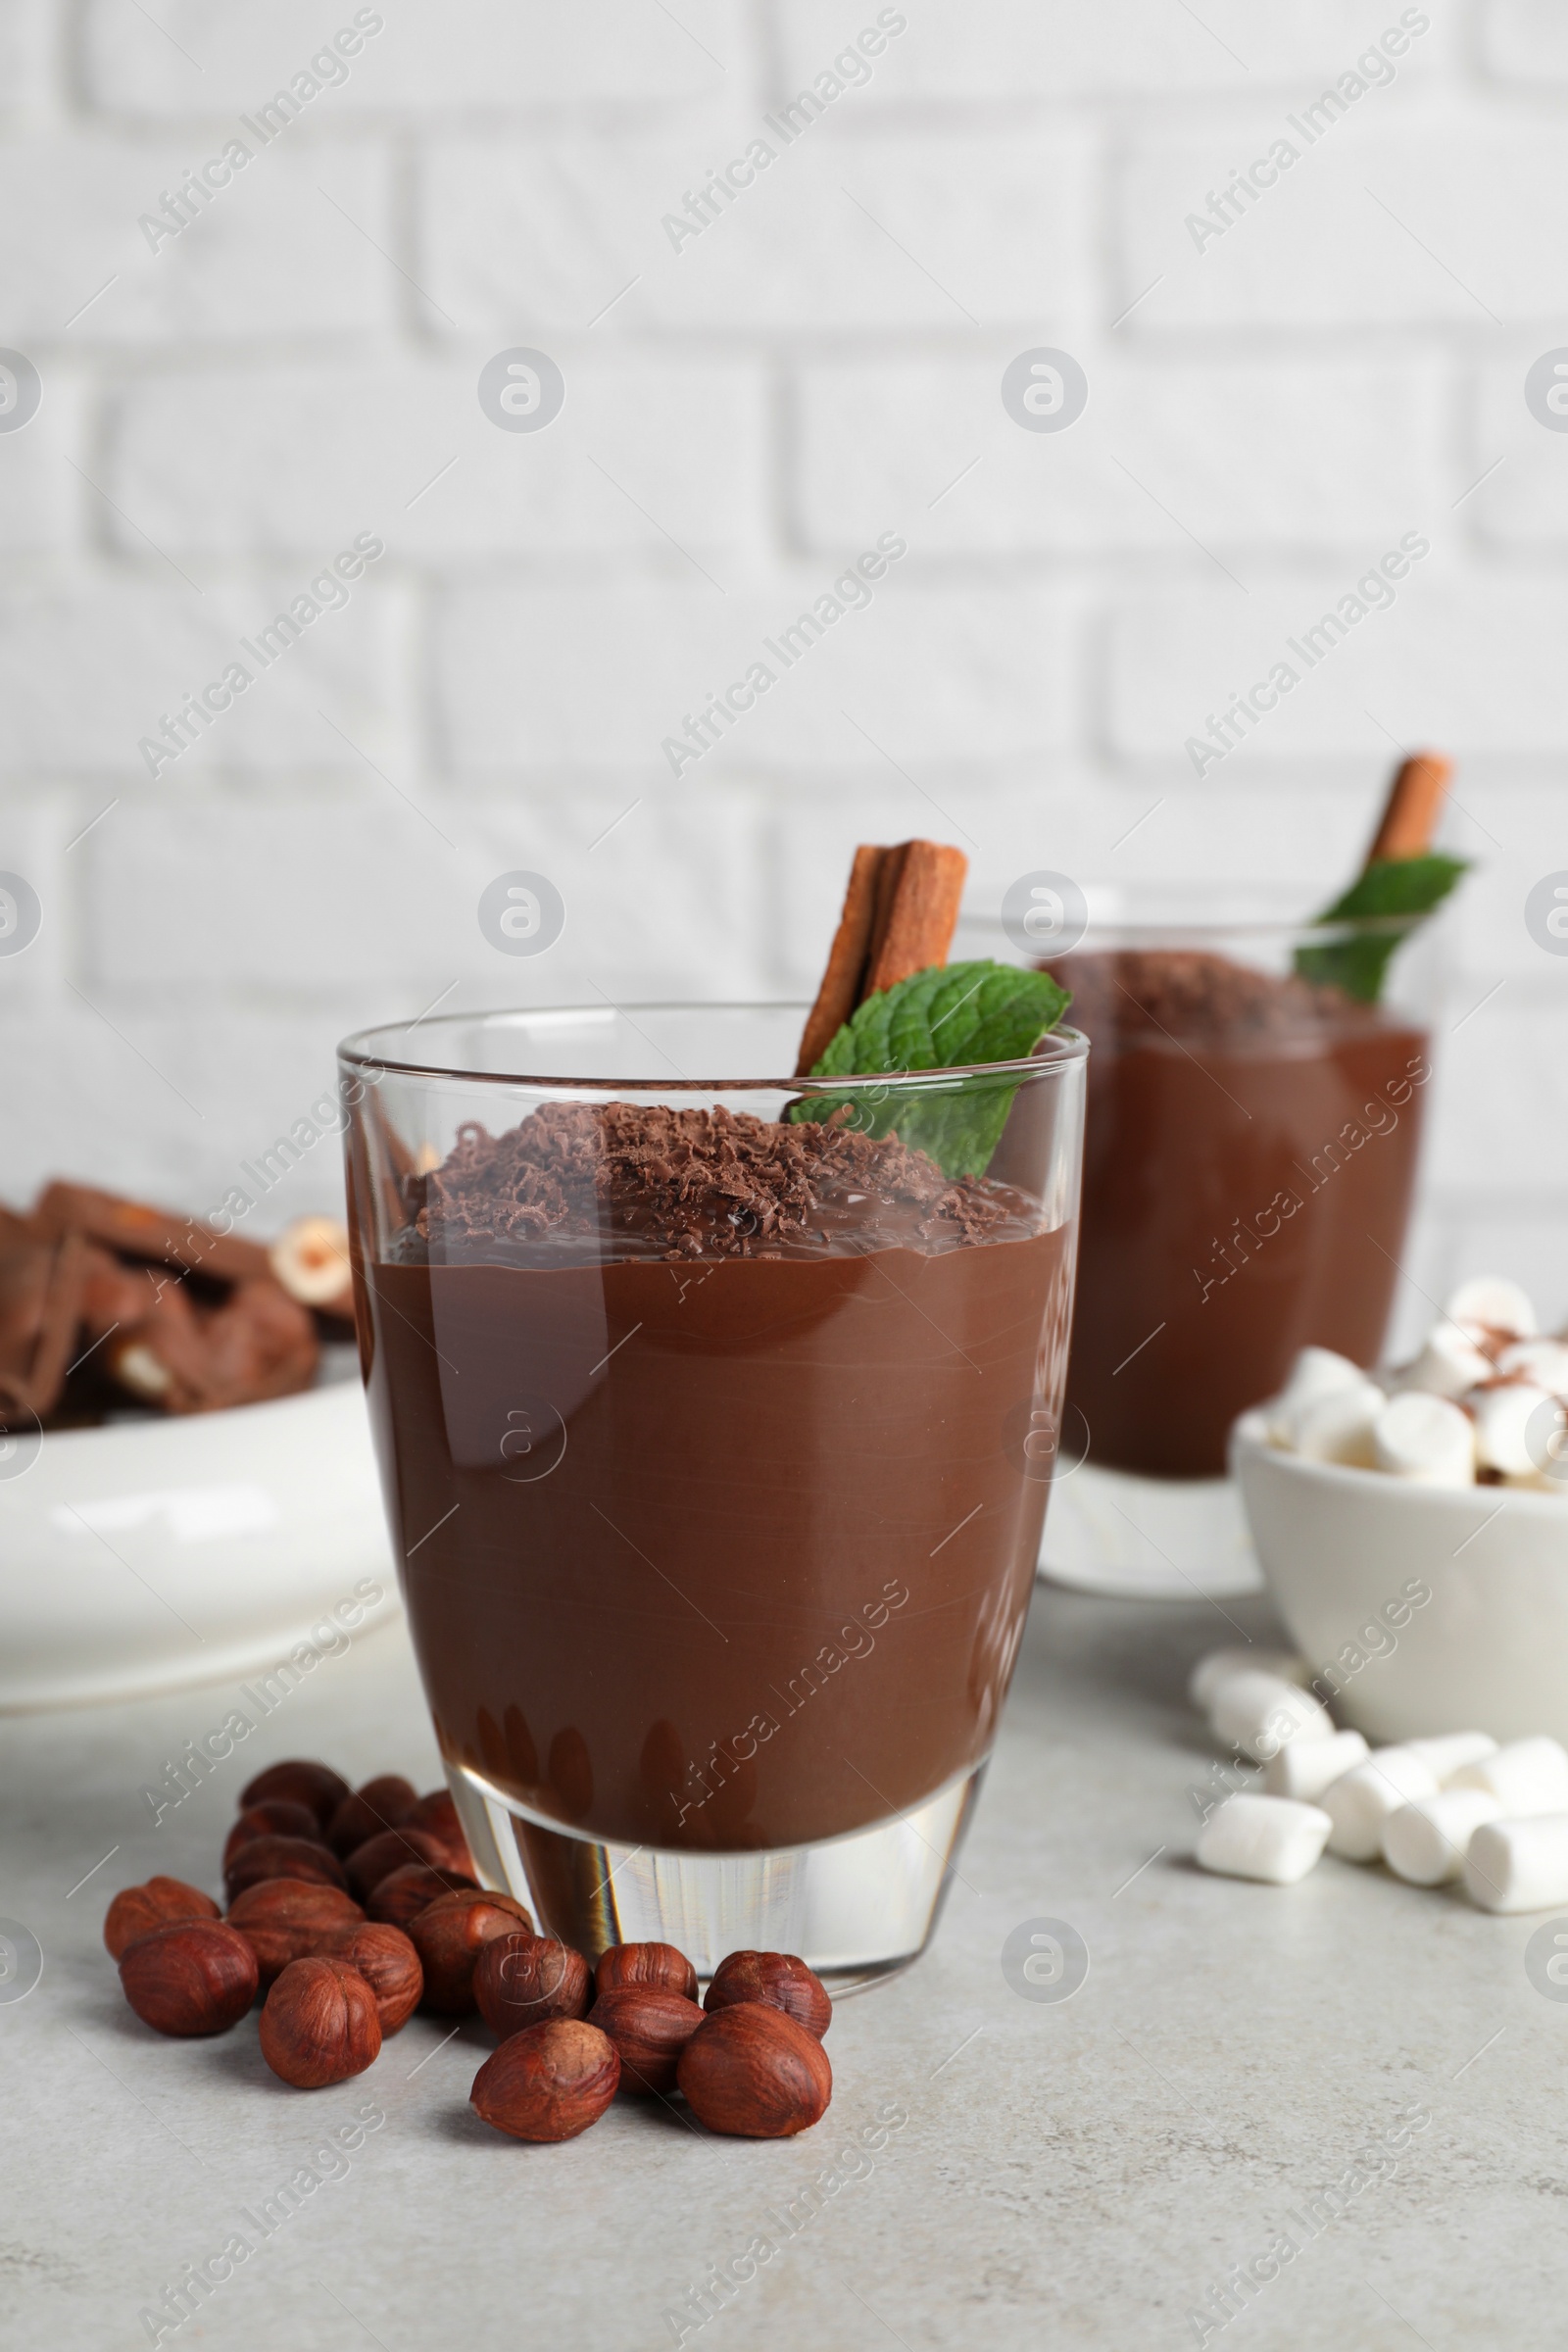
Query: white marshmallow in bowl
<point>1306,1767</point>
<point>1503,1413</point>
<point>1542,1361</point>
<point>1317,1372</point>
<point>1425,1841</point>
<point>1216,1664</point>
<point>1425,1440</point>
<point>1361,1800</point>
<point>1265,1837</point>
<point>1339,1427</point>
<point>1528,1777</point>
<point>1494,1303</point>
<point>1262,1713</point>
<point>1451,1360</point>
<point>1519,1865</point>
<point>1451,1751</point>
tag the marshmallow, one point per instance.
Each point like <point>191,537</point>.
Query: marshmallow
<point>1503,1416</point>
<point>1544,1361</point>
<point>1494,1303</point>
<point>1519,1865</point>
<point>1339,1427</point>
<point>1361,1800</point>
<point>1425,1440</point>
<point>1308,1767</point>
<point>1316,1372</point>
<point>1260,1713</point>
<point>1451,1751</point>
<point>1528,1777</point>
<point>1267,1838</point>
<point>1214,1667</point>
<point>1426,1842</point>
<point>1449,1362</point>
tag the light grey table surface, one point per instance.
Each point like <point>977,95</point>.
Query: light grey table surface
<point>1078,2172</point>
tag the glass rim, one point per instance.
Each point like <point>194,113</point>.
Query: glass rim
<point>1312,932</point>
<point>1068,1048</point>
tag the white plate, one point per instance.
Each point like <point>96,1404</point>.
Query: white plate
<point>155,1554</point>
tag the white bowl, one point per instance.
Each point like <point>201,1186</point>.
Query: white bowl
<point>1488,1651</point>
<point>155,1554</point>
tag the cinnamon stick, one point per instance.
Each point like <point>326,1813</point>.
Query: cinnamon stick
<point>1414,805</point>
<point>898,918</point>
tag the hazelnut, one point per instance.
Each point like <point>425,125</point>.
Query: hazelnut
<point>289,1919</point>
<point>137,1910</point>
<point>449,1936</point>
<point>320,2024</point>
<point>273,1817</point>
<point>778,1981</point>
<point>273,1857</point>
<point>192,1976</point>
<point>522,1980</point>
<point>389,1850</point>
<point>658,1967</point>
<point>389,1965</point>
<point>437,1815</point>
<point>650,2027</point>
<point>550,2081</point>
<point>752,2071</point>
<point>399,1898</point>
<point>316,1786</point>
<point>379,1805</point>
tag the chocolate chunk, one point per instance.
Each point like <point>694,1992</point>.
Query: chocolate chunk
<point>40,1303</point>
<point>136,1230</point>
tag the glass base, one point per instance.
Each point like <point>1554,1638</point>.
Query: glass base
<point>856,1909</point>
<point>1147,1538</point>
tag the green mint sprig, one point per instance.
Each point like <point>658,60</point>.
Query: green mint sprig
<point>1399,888</point>
<point>949,1016</point>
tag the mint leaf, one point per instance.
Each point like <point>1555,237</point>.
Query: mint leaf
<point>946,1018</point>
<point>1394,887</point>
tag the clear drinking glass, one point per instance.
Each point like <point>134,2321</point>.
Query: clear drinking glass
<point>1252,1138</point>
<point>716,1519</point>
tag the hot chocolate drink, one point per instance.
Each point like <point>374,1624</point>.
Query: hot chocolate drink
<point>1248,1161</point>
<point>712,1445</point>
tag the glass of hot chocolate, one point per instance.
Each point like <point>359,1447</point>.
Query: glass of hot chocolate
<point>716,1413</point>
<point>1254,1132</point>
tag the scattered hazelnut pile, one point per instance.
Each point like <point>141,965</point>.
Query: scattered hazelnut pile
<point>350,1909</point>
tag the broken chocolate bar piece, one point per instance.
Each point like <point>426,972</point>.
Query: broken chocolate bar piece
<point>187,1358</point>
<point>137,1230</point>
<point>40,1303</point>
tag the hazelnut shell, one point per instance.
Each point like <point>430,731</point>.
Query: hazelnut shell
<point>658,1966</point>
<point>777,1979</point>
<point>276,1857</point>
<point>316,1786</point>
<point>320,2024</point>
<point>399,1898</point>
<point>273,1817</point>
<point>193,1975</point>
<point>389,1850</point>
<point>137,1910</point>
<point>289,1919</point>
<point>753,2071</point>
<point>520,1981</point>
<point>650,2027</point>
<point>449,1935</point>
<point>548,2082</point>
<point>379,1805</point>
<point>390,1966</point>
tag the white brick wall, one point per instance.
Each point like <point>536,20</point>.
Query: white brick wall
<point>746,408</point>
